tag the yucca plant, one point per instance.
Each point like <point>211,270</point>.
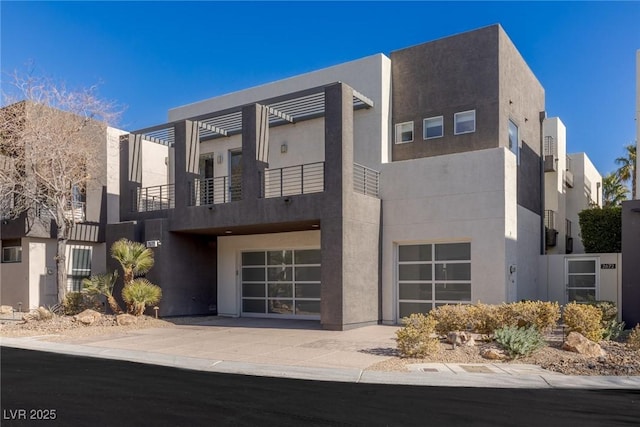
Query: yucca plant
<point>135,258</point>
<point>140,293</point>
<point>103,284</point>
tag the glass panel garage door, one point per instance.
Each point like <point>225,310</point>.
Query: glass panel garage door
<point>282,283</point>
<point>431,275</point>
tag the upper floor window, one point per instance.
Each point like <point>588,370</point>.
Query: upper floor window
<point>433,127</point>
<point>513,139</point>
<point>12,254</point>
<point>464,122</point>
<point>404,132</point>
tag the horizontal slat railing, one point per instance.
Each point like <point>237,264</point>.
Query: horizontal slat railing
<point>293,180</point>
<point>156,198</point>
<point>365,180</point>
<point>213,191</point>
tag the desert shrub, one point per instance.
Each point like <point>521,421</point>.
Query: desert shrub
<point>450,318</point>
<point>485,318</point>
<point>633,340</point>
<point>415,338</point>
<point>585,319</point>
<point>543,315</point>
<point>140,293</point>
<point>608,308</point>
<point>612,329</point>
<point>76,302</point>
<point>519,341</point>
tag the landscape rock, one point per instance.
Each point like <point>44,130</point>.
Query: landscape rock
<point>126,319</point>
<point>577,343</point>
<point>87,317</point>
<point>461,338</point>
<point>493,353</point>
<point>6,309</point>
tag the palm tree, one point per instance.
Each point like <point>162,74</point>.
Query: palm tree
<point>103,284</point>
<point>627,169</point>
<point>139,294</point>
<point>614,192</point>
<point>134,257</point>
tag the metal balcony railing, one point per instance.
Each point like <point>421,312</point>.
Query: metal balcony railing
<point>213,191</point>
<point>76,211</point>
<point>550,147</point>
<point>293,180</point>
<point>156,198</point>
<point>568,175</point>
<point>365,180</point>
<point>550,219</point>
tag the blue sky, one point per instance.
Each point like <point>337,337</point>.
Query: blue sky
<point>152,56</point>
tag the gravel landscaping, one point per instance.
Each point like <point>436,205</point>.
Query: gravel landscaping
<point>619,358</point>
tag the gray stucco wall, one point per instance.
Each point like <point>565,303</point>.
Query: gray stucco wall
<point>441,78</point>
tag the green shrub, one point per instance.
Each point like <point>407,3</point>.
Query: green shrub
<point>450,318</point>
<point>608,308</point>
<point>140,293</point>
<point>633,340</point>
<point>519,341</point>
<point>601,229</point>
<point>585,319</point>
<point>415,338</point>
<point>543,315</point>
<point>76,302</point>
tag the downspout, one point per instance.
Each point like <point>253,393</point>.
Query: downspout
<point>543,116</point>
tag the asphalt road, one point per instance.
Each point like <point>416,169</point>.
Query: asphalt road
<point>48,389</point>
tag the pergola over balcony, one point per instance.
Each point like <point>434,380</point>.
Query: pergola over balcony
<point>290,108</point>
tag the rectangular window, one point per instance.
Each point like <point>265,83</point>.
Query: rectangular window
<point>464,122</point>
<point>433,127</point>
<point>404,132</point>
<point>12,254</point>
<point>513,139</point>
<point>80,268</point>
<point>431,275</point>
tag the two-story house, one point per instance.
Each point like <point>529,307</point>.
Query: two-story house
<point>354,194</point>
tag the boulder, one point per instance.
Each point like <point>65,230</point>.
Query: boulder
<point>460,338</point>
<point>493,354</point>
<point>6,309</point>
<point>577,343</point>
<point>87,317</point>
<point>126,319</point>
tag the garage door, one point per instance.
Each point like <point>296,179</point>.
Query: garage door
<point>281,283</point>
<point>430,275</point>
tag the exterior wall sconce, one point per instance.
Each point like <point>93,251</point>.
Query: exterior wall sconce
<point>219,160</point>
<point>283,148</point>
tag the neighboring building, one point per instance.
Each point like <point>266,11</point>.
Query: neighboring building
<point>28,267</point>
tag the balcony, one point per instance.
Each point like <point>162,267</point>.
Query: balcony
<point>75,211</point>
<point>293,180</point>
<point>213,191</point>
<point>568,174</point>
<point>551,232</point>
<point>156,198</point>
<point>550,153</point>
<point>365,180</point>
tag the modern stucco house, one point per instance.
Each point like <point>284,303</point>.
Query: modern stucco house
<point>355,194</point>
<point>28,266</point>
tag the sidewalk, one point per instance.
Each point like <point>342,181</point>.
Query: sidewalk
<point>300,349</point>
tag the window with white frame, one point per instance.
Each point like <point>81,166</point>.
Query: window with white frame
<point>12,254</point>
<point>80,268</point>
<point>431,275</point>
<point>464,122</point>
<point>513,139</point>
<point>404,132</point>
<point>433,127</point>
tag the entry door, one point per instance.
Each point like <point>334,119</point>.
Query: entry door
<point>582,279</point>
<point>235,175</point>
